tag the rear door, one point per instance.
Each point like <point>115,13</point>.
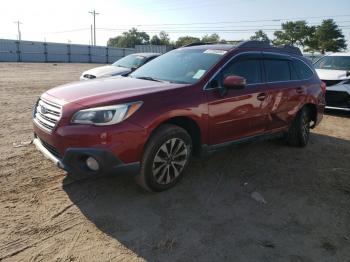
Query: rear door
<point>241,112</point>
<point>285,90</point>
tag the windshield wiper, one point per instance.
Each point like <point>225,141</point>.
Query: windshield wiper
<point>151,79</point>
<point>121,66</point>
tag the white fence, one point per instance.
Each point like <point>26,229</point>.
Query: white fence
<point>32,51</point>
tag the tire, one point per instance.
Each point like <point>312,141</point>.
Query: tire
<point>299,132</point>
<point>165,158</point>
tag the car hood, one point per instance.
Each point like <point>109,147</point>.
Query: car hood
<point>109,70</point>
<point>325,74</point>
<point>106,89</point>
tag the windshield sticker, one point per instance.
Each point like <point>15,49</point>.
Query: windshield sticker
<point>199,74</point>
<point>216,52</point>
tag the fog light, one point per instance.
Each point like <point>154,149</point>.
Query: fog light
<point>92,163</point>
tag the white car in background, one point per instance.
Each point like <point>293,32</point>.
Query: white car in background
<point>122,67</point>
<point>334,71</point>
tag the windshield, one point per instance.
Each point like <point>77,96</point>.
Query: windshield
<point>130,61</point>
<point>333,63</point>
<point>185,66</point>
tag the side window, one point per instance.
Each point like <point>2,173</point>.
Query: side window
<point>302,70</point>
<point>249,69</point>
<point>277,70</point>
<point>293,72</point>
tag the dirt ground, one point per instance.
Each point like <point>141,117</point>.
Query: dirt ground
<point>209,216</point>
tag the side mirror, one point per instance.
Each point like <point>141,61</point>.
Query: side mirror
<point>236,82</point>
<point>133,68</point>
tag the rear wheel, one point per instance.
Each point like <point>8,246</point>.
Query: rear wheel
<point>166,156</point>
<point>299,132</point>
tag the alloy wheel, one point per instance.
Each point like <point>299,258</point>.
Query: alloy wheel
<point>170,160</point>
<point>305,129</point>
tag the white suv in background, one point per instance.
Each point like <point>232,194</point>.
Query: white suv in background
<point>334,70</point>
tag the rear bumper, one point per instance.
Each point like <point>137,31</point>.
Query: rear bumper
<point>74,159</point>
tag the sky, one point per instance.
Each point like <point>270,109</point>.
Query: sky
<point>69,21</point>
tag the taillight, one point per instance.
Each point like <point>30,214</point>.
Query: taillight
<point>323,87</point>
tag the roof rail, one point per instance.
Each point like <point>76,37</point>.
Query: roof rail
<point>291,49</point>
<point>198,43</point>
<point>266,44</point>
<point>254,44</point>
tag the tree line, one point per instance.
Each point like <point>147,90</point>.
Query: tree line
<point>326,37</point>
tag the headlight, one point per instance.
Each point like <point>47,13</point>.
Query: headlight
<point>106,115</point>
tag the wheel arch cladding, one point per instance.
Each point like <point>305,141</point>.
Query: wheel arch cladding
<point>191,127</point>
<point>312,110</point>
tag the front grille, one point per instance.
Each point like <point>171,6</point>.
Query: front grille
<point>47,114</point>
<point>337,99</point>
<point>51,149</point>
<point>89,76</point>
<point>332,82</point>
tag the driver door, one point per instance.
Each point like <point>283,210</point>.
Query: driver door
<point>240,113</point>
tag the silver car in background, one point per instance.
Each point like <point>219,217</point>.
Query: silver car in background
<point>334,71</point>
<point>121,67</point>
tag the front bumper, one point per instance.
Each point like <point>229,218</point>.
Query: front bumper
<point>338,108</point>
<point>74,159</point>
<point>338,97</point>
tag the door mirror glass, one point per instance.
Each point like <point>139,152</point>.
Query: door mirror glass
<point>236,82</point>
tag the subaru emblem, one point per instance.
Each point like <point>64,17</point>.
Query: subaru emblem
<point>43,110</point>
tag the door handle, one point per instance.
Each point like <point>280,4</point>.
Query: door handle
<point>261,96</point>
<point>299,90</point>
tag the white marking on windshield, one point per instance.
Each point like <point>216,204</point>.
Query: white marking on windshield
<point>216,52</point>
<point>199,74</point>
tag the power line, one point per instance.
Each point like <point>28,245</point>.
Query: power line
<point>339,23</point>
<point>241,21</point>
<point>254,27</point>
<point>69,31</point>
<point>180,30</point>
<point>184,30</point>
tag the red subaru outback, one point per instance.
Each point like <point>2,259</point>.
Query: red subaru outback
<point>191,100</point>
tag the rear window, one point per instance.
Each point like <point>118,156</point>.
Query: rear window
<point>302,70</point>
<point>277,70</point>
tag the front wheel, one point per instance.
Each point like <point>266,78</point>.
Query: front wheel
<point>299,131</point>
<point>166,156</point>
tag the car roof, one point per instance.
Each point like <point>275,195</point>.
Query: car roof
<point>340,54</point>
<point>147,54</point>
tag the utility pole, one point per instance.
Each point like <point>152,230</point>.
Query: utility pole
<point>92,35</point>
<point>18,30</point>
<point>94,14</point>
